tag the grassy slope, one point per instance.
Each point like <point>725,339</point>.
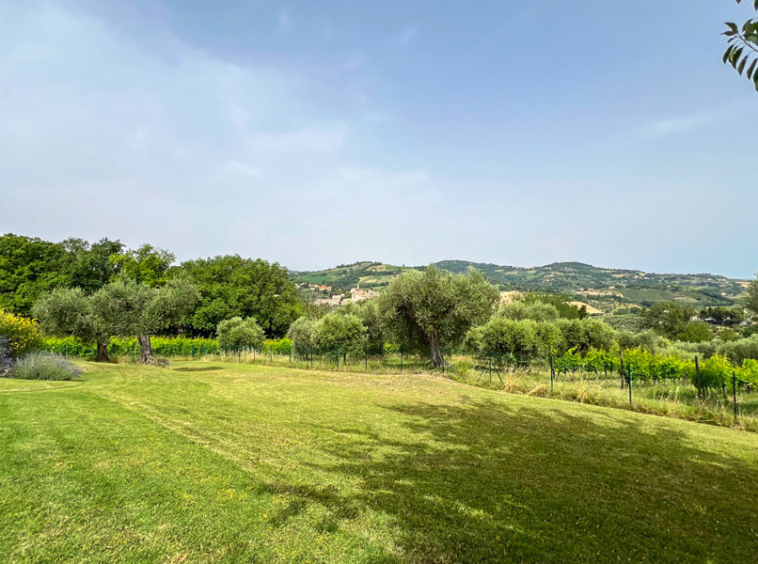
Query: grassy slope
<point>236,463</point>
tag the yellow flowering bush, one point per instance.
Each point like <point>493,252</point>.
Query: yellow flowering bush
<point>22,333</point>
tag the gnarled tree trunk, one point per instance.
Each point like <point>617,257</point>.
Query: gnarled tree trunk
<point>102,353</point>
<point>146,349</point>
<point>435,350</point>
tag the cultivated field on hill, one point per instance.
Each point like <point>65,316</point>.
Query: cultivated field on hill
<point>211,462</point>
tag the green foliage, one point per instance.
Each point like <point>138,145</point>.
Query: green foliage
<point>339,332</point>
<point>162,346</point>
<point>147,265</point>
<point>669,319</point>
<point>503,337</point>
<point>752,296</point>
<point>560,302</point>
<point>584,334</point>
<point>302,334</point>
<point>91,266</point>
<point>369,314</point>
<point>238,333</point>
<point>231,286</point>
<point>715,372</point>
<point>44,366</point>
<point>742,50</point>
<point>749,373</point>
<point>696,332</point>
<point>434,309</point>
<point>648,340</point>
<point>23,334</point>
<point>569,361</point>
<point>281,346</point>
<point>534,310</point>
<point>68,311</point>
<point>740,350</point>
<point>29,267</point>
<point>129,308</point>
<point>728,335</point>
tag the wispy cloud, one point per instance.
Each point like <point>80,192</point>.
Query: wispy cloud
<point>696,120</point>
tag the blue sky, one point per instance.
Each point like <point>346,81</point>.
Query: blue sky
<point>314,133</point>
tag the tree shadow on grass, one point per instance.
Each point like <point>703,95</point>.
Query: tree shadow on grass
<point>198,369</point>
<point>483,482</point>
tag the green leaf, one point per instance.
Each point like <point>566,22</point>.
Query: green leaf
<point>741,67</point>
<point>751,69</point>
<point>727,53</point>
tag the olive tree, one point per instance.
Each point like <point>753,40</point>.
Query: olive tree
<point>523,339</point>
<point>68,311</point>
<point>340,333</point>
<point>369,314</point>
<point>302,334</point>
<point>130,308</point>
<point>536,311</point>
<point>238,332</point>
<point>429,310</point>
<point>585,334</point>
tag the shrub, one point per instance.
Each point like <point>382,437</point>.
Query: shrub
<point>277,346</point>
<point>22,333</point>
<point>339,333</point>
<point>740,350</point>
<point>301,333</point>
<point>44,366</point>
<point>714,373</point>
<point>237,332</point>
<point>536,311</point>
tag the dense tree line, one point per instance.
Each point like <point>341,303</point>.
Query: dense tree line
<point>228,286</point>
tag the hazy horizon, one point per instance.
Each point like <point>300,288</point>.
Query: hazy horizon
<point>317,134</point>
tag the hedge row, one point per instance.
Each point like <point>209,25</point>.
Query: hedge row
<point>162,346</point>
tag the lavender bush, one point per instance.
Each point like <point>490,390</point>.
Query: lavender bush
<point>44,366</point>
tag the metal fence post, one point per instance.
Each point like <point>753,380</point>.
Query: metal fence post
<point>552,369</point>
<point>734,392</point>
<point>629,378</point>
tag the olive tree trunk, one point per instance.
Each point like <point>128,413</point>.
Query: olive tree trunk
<point>146,349</point>
<point>102,353</point>
<point>435,350</point>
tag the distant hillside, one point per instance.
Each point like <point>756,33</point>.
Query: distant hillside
<point>603,288</point>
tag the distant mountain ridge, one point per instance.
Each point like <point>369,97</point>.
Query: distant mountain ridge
<point>607,289</point>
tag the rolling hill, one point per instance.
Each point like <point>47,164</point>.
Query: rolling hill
<point>603,288</point>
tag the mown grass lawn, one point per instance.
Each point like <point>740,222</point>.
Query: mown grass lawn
<point>210,462</point>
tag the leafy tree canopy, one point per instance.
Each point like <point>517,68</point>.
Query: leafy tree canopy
<point>303,335</point>
<point>339,332</point>
<point>231,286</point>
<point>238,332</point>
<point>29,267</point>
<point>669,319</point>
<point>147,265</point>
<point>69,311</point>
<point>433,309</point>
